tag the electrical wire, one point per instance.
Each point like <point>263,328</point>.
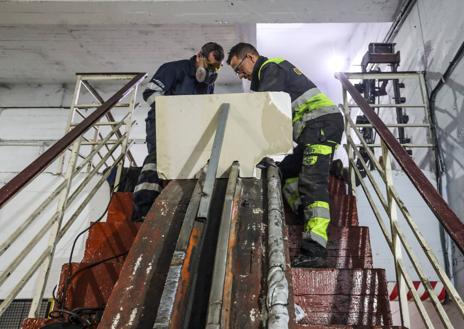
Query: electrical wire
<point>74,315</point>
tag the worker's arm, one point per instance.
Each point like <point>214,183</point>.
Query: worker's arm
<point>161,81</point>
<point>272,78</point>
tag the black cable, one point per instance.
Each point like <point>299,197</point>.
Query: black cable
<point>98,263</point>
<point>61,302</point>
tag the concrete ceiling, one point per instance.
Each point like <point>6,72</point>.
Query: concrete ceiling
<point>48,41</point>
<point>53,53</point>
<point>195,11</point>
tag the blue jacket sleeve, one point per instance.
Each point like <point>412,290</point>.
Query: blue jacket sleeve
<point>161,82</point>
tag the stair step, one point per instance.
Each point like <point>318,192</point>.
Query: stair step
<point>343,211</point>
<point>92,286</point>
<point>348,247</point>
<point>318,326</point>
<point>109,239</point>
<point>34,323</point>
<point>120,208</point>
<point>337,186</point>
<point>342,296</point>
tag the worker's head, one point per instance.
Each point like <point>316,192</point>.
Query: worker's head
<point>208,62</point>
<point>242,59</point>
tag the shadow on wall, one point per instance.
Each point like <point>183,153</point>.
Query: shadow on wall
<point>451,135</point>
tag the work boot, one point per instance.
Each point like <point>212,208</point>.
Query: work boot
<point>312,255</point>
<point>336,168</point>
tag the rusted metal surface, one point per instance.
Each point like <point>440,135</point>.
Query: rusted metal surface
<point>35,323</point>
<point>106,240</point>
<point>120,208</point>
<point>216,295</point>
<point>227,303</point>
<point>25,176</point>
<point>90,286</point>
<point>440,208</point>
<point>136,296</point>
<point>249,266</point>
<point>202,264</point>
<point>343,296</point>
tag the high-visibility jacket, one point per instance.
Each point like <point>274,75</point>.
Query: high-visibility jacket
<point>308,102</point>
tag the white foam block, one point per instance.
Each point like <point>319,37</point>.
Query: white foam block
<point>258,125</point>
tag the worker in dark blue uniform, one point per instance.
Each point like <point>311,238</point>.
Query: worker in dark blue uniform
<point>317,130</point>
<point>184,77</point>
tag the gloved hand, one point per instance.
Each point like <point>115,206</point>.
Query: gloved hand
<point>266,162</point>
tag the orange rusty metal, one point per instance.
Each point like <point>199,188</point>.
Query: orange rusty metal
<point>228,279</point>
<point>180,302</point>
<point>135,298</point>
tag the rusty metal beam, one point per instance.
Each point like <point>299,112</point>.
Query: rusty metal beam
<point>136,296</point>
<point>440,208</point>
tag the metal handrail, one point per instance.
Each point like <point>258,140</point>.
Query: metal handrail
<point>439,207</point>
<point>396,238</point>
<point>67,191</point>
<point>25,176</point>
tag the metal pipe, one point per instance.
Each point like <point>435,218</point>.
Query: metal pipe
<point>220,259</point>
<point>277,285</point>
<point>223,113</point>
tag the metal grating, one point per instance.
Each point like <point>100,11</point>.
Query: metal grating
<point>18,311</point>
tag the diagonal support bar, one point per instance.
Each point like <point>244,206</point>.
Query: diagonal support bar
<point>213,162</point>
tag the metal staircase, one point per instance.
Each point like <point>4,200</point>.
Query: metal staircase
<point>125,279</point>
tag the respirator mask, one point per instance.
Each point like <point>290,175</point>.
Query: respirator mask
<point>207,74</point>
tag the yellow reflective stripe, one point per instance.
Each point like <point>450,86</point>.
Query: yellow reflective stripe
<point>293,200</point>
<point>319,149</point>
<point>315,102</point>
<point>320,204</point>
<point>318,226</point>
<point>276,60</point>
<point>290,181</point>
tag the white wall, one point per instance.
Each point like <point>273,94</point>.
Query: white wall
<point>428,40</point>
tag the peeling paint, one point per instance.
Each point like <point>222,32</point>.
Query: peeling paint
<point>115,321</point>
<point>132,316</point>
<point>257,211</point>
<point>137,264</point>
<point>150,266</point>
<point>253,314</point>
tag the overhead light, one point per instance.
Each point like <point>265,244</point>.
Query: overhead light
<point>336,63</point>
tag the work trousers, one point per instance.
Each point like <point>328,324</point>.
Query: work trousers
<point>148,184</point>
<point>306,174</point>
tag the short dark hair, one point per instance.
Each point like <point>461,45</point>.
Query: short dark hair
<point>215,48</point>
<point>240,50</point>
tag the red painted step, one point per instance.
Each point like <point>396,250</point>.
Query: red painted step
<point>317,326</point>
<point>342,296</point>
<point>109,239</point>
<point>35,323</point>
<point>348,247</point>
<point>92,286</point>
<point>120,209</point>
